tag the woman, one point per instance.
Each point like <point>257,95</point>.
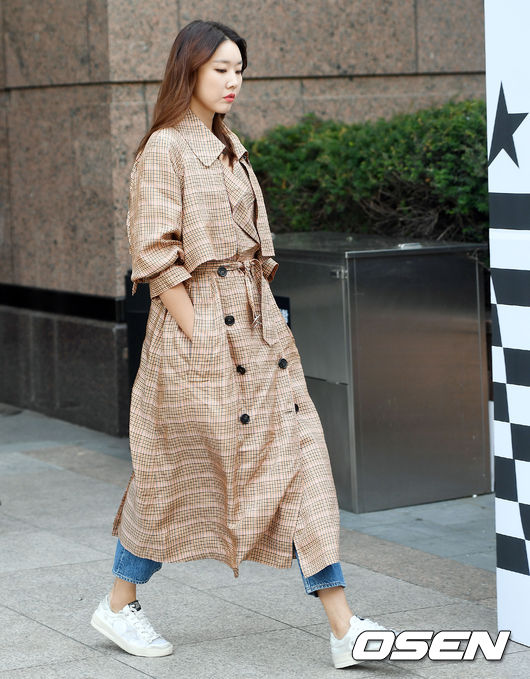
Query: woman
<point>228,453</point>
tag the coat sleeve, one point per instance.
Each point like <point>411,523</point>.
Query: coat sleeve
<point>154,219</point>
<point>270,266</point>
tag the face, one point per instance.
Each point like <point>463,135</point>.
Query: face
<point>219,76</point>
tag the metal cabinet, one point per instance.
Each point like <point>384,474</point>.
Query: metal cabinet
<point>392,341</point>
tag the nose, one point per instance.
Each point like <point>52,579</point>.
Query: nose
<point>232,80</point>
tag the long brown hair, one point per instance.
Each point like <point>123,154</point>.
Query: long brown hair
<point>193,46</point>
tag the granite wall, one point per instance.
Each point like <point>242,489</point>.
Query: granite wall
<point>78,82</point>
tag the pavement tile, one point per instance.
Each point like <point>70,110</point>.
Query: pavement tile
<point>32,430</point>
<point>278,654</point>
<point>9,524</point>
<point>50,499</point>
<point>446,512</point>
<point>90,463</point>
<point>414,566</point>
<point>488,603</point>
<point>64,598</point>
<point>367,593</point>
<point>25,643</point>
<point>513,666</point>
<point>14,463</point>
<point>101,667</point>
<point>97,536</point>
<point>35,549</point>
<point>208,574</point>
<point>481,559</point>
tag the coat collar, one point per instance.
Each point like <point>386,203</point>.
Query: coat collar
<point>203,142</point>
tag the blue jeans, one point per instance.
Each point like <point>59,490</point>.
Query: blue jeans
<point>137,569</point>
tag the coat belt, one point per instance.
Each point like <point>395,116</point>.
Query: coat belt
<point>262,315</point>
<point>260,312</point>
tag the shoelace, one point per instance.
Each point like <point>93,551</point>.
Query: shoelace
<point>142,624</point>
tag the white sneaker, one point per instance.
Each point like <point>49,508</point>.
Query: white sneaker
<point>130,629</point>
<point>341,649</point>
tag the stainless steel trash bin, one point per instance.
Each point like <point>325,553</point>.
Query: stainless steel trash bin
<point>392,341</point>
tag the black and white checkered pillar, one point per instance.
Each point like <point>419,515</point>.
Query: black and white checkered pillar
<point>508,107</point>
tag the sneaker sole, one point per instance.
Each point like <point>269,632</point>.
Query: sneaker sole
<point>345,660</point>
<point>102,627</point>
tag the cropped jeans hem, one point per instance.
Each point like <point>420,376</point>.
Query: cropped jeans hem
<point>312,589</point>
<point>330,576</point>
<point>132,568</point>
<point>139,570</point>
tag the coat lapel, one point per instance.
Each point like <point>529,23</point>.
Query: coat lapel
<point>203,142</point>
<point>207,147</point>
<point>242,202</point>
<point>262,222</point>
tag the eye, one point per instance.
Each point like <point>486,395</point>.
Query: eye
<point>223,70</point>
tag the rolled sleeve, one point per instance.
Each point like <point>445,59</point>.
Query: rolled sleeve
<point>270,266</point>
<point>172,276</point>
<point>154,219</point>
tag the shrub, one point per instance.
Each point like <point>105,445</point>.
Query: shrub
<point>417,175</point>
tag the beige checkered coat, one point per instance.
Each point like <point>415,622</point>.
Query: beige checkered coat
<point>228,452</point>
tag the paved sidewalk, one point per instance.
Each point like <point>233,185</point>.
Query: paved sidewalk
<point>424,567</point>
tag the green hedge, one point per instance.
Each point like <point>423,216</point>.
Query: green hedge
<point>419,175</point>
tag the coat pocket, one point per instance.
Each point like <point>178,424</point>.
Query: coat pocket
<point>183,342</point>
<point>176,345</point>
<point>195,333</point>
<point>209,355</point>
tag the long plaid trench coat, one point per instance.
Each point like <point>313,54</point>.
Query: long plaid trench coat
<point>228,452</point>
